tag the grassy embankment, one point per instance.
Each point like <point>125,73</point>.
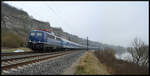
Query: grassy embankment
<point>11,42</point>
<point>90,65</point>
<point>104,62</point>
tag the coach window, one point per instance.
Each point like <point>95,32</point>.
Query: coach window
<point>58,39</point>
<point>50,36</point>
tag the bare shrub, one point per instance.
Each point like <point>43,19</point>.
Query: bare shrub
<point>106,55</point>
<point>116,66</point>
<point>139,52</point>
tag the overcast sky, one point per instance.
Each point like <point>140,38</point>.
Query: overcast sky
<point>116,23</point>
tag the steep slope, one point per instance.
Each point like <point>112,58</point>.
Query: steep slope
<point>18,21</point>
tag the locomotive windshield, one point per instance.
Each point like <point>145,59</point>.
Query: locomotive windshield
<point>32,33</point>
<point>39,34</point>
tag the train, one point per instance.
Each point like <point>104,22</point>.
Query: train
<point>44,41</point>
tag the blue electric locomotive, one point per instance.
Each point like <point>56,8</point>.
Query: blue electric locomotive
<point>42,41</point>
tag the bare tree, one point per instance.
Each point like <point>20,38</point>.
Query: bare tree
<point>139,52</point>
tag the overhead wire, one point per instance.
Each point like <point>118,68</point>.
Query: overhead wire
<point>59,18</point>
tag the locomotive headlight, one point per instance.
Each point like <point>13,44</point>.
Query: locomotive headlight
<point>29,40</point>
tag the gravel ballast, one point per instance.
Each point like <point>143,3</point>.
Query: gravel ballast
<point>48,67</point>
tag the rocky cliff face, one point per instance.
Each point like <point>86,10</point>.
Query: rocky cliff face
<point>20,22</point>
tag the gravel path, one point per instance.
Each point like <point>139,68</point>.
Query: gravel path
<point>48,67</point>
<point>72,69</point>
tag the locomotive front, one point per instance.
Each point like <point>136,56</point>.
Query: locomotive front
<point>37,40</point>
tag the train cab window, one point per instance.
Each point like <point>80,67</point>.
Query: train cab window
<point>50,36</point>
<point>32,33</point>
<point>39,34</point>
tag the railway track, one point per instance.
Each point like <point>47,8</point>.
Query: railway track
<point>17,62</point>
<point>21,55</point>
<point>15,53</point>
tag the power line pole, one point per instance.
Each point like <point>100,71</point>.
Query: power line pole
<point>87,44</point>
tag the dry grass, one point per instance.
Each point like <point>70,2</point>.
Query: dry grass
<point>11,40</point>
<point>116,66</point>
<point>90,65</point>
